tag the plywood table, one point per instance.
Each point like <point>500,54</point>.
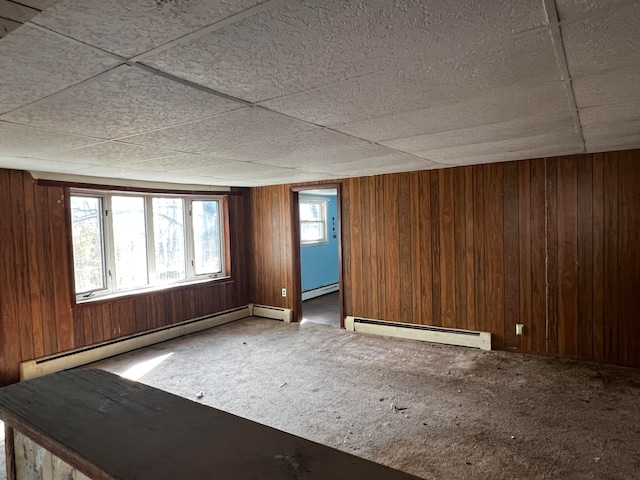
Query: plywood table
<point>92,424</point>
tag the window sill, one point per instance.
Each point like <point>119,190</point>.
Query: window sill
<point>149,290</point>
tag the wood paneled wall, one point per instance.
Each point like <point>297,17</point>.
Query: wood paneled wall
<point>550,243</point>
<point>37,315</point>
<point>271,267</point>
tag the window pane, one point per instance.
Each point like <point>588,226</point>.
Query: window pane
<point>168,237</point>
<point>129,241</point>
<point>88,253</point>
<point>310,212</point>
<point>311,231</point>
<point>206,236</point>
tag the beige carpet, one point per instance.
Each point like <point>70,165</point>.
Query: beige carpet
<point>433,411</point>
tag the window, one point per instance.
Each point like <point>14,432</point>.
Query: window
<point>125,242</point>
<point>313,221</point>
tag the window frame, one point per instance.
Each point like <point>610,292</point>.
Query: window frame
<point>324,212</point>
<point>152,283</point>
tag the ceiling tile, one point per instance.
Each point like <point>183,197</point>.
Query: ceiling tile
<point>108,171</point>
<point>108,153</point>
<point>131,27</point>
<point>508,63</point>
<point>607,88</point>
<point>539,152</point>
<point>179,162</point>
<point>573,10</point>
<point>23,141</point>
<point>297,176</point>
<point>613,143</point>
<point>236,173</point>
<point>384,162</point>
<point>607,42</point>
<point>545,101</point>
<point>121,102</point>
<point>298,46</point>
<point>241,171</point>
<point>234,128</point>
<point>515,128</point>
<point>612,131</point>
<point>561,138</point>
<point>173,177</point>
<point>294,150</point>
<point>35,64</point>
<point>38,4</point>
<point>592,117</point>
<point>37,164</point>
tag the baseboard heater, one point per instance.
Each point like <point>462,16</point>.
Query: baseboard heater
<point>82,356</point>
<point>318,292</point>
<point>275,313</point>
<point>449,336</point>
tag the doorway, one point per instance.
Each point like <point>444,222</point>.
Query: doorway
<point>318,263</point>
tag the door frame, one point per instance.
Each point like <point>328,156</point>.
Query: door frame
<point>297,266</point>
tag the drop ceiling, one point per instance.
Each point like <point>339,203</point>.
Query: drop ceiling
<point>248,93</point>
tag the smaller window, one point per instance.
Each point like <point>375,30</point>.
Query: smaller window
<point>313,221</point>
<point>88,252</point>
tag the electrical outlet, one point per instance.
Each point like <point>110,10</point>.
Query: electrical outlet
<point>519,328</point>
<point>284,292</point>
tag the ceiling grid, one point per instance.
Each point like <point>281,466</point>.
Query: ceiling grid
<point>243,92</point>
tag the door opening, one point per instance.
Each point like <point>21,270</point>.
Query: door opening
<point>318,249</point>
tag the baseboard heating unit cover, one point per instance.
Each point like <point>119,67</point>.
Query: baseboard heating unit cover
<point>449,336</point>
<point>275,313</point>
<point>318,292</point>
<point>82,356</point>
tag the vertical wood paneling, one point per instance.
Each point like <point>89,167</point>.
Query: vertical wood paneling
<point>472,322</point>
<point>598,256</point>
<point>567,196</point>
<point>425,263</point>
<point>61,264</point>
<point>367,287</point>
<point>460,243</point>
<point>611,174</point>
<point>494,251</point>
<point>33,273</point>
<point>538,215</point>
<point>585,231</point>
<point>392,248</point>
<point>434,226</point>
<point>87,338</point>
<point>36,314</point>
<point>416,278</point>
<point>9,326</point>
<point>524,238</point>
<point>551,274</point>
<point>629,260</point>
<point>46,271</point>
<point>97,323</point>
<point>349,285</point>
<point>447,248</point>
<point>479,240</point>
<point>537,242</point>
<point>405,237</point>
<point>511,245</point>
<point>380,214</point>
<point>356,238</point>
<point>20,270</point>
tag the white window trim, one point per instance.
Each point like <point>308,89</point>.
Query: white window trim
<point>324,213</point>
<point>152,284</point>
